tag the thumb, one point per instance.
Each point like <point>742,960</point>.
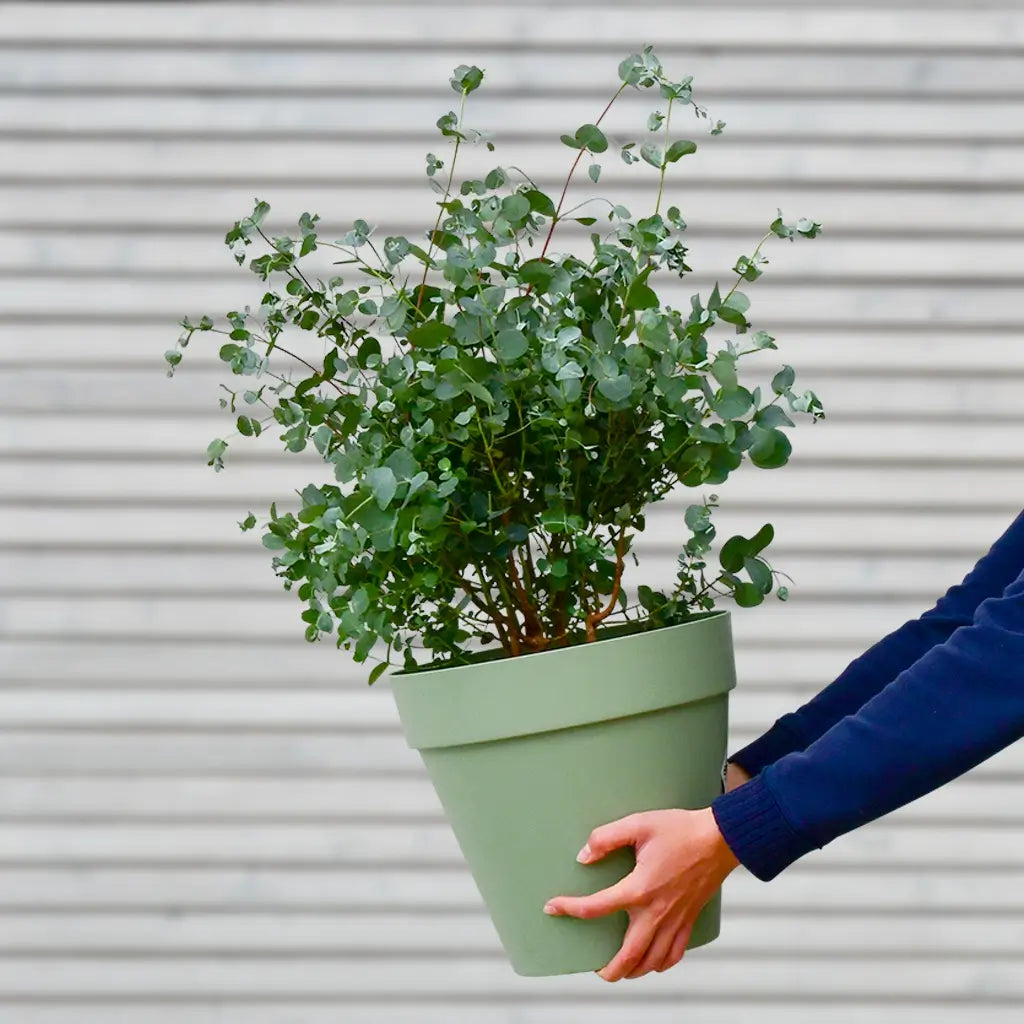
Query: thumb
<point>625,832</point>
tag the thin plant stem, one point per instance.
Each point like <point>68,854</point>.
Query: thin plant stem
<point>572,171</point>
<point>664,158</point>
<point>441,205</point>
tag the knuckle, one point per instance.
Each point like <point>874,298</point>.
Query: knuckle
<point>637,896</point>
<point>660,905</point>
<point>633,890</point>
<point>630,965</point>
<point>632,958</point>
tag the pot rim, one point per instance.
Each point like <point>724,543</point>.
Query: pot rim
<point>608,636</point>
<point>620,677</point>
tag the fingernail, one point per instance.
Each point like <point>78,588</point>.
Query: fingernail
<point>549,908</point>
<point>584,855</point>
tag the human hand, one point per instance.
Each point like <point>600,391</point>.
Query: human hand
<point>735,776</point>
<point>681,861</point>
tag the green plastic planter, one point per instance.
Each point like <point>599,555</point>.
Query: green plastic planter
<point>529,754</point>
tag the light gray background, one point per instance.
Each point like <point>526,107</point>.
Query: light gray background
<point>202,818</point>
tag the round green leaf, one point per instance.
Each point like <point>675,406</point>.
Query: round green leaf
<point>734,550</point>
<point>761,539</point>
<point>588,136</point>
<point>760,574</point>
<point>783,380</point>
<point>540,202</point>
<point>697,518</point>
<point>510,344</point>
<point>723,369</point>
<point>772,416</point>
<point>430,335</point>
<point>747,595</point>
<point>591,137</point>
<point>771,450</point>
<point>381,480</point>
<point>640,296</point>
<point>632,69</point>
<point>652,154</point>
<point>615,389</point>
<point>737,301</point>
<point>247,427</point>
<point>515,208</point>
<point>466,79</point>
<point>733,402</point>
<point>680,148</point>
<point>538,273</point>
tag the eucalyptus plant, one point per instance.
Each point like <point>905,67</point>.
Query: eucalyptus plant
<point>498,423</point>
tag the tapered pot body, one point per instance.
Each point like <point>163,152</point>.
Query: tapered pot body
<point>529,754</point>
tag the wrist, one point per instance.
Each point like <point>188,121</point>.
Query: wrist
<point>735,775</point>
<point>719,851</point>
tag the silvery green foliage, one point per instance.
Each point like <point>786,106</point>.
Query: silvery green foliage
<point>496,424</point>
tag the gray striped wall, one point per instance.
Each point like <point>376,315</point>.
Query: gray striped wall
<point>203,818</point>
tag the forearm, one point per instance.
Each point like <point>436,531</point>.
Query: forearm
<point>869,674</point>
<point>859,682</point>
<point>959,704</point>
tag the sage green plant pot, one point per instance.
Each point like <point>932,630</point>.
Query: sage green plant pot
<point>529,754</point>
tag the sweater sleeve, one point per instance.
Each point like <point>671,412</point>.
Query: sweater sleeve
<point>880,664</point>
<point>959,704</point>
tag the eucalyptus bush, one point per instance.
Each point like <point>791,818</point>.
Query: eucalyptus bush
<point>498,423</point>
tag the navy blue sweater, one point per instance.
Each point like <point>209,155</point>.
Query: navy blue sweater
<point>924,705</point>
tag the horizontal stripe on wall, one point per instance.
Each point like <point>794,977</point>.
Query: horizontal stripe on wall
<point>362,26</point>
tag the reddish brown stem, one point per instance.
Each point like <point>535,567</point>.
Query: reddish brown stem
<point>565,188</point>
<point>534,637</point>
<point>559,605</point>
<point>593,618</point>
<point>559,638</point>
<point>510,620</point>
<point>489,611</point>
<point>531,573</point>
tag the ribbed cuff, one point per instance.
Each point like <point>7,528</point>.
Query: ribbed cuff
<point>777,742</point>
<point>753,825</point>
